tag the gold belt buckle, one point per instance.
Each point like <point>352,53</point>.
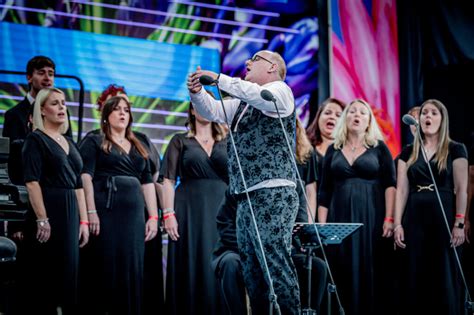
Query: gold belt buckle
<point>429,187</point>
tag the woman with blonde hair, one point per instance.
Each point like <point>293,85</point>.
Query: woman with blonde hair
<point>58,224</point>
<point>358,186</point>
<point>198,159</point>
<point>429,233</point>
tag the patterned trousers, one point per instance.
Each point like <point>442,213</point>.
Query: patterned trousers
<point>275,212</point>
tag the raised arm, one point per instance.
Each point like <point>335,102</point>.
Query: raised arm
<point>205,104</point>
<point>251,93</point>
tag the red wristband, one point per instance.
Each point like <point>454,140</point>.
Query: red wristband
<point>84,222</point>
<point>388,219</point>
<point>153,217</point>
<point>460,215</point>
<point>168,216</point>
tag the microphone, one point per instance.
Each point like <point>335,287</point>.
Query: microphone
<point>409,120</point>
<point>267,96</point>
<point>206,80</point>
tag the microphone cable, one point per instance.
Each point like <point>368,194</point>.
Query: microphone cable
<point>268,96</point>
<point>206,80</point>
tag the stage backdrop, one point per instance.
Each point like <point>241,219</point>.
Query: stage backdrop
<point>364,58</point>
<point>150,47</point>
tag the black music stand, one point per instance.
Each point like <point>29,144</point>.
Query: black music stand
<point>306,236</point>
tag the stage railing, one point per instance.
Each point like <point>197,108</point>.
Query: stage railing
<point>80,114</point>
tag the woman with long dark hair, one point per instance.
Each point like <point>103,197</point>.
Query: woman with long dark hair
<point>198,159</point>
<point>320,131</point>
<point>153,271</point>
<point>118,183</point>
<point>431,278</point>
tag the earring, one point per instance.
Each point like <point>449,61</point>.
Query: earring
<point>105,121</point>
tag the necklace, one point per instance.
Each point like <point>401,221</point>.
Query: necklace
<point>119,141</point>
<point>204,141</point>
<point>353,147</point>
<point>57,138</point>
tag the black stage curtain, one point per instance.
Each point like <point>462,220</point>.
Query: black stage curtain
<point>323,52</point>
<point>322,93</point>
<point>437,58</point>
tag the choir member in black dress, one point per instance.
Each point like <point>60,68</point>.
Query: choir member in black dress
<point>358,186</point>
<point>153,291</point>
<point>307,162</point>
<point>468,250</point>
<point>58,224</point>
<point>432,280</point>
<point>118,183</point>
<point>320,131</point>
<point>198,159</point>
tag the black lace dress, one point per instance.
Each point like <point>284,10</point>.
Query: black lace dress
<point>191,286</point>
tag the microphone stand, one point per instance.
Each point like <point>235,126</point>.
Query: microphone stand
<point>469,305</point>
<point>206,80</point>
<point>268,96</point>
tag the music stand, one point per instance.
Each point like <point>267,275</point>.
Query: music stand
<point>330,233</point>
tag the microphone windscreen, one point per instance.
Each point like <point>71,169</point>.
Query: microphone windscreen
<point>206,80</point>
<point>409,120</point>
<point>267,95</point>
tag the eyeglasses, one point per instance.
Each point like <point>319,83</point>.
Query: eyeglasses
<point>257,58</point>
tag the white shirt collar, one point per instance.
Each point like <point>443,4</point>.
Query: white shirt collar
<point>30,98</point>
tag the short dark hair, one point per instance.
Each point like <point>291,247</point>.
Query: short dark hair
<point>39,62</point>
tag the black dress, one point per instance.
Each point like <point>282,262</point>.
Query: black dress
<point>191,287</point>
<point>54,264</point>
<point>356,194</point>
<point>308,174</point>
<point>119,249</point>
<point>153,292</point>
<point>432,282</point>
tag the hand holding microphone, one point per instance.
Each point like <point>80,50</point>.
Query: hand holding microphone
<point>199,78</point>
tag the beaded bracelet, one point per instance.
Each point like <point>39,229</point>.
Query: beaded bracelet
<point>168,210</point>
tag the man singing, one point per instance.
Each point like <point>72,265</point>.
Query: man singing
<point>268,172</point>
